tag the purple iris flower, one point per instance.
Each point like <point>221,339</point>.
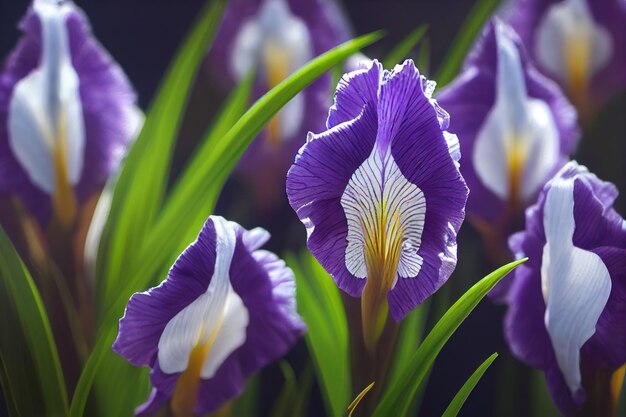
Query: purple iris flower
<point>67,113</point>
<point>226,309</point>
<point>380,191</point>
<point>275,38</point>
<point>567,304</point>
<point>579,43</point>
<point>516,130</point>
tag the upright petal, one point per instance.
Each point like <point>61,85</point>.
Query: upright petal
<point>276,37</point>
<point>566,313</point>
<point>67,112</point>
<point>516,128</point>
<point>381,194</point>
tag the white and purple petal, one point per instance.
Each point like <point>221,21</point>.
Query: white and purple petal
<point>575,42</point>
<point>515,125</point>
<point>61,92</point>
<point>382,182</point>
<point>276,37</point>
<point>223,293</point>
<point>566,304</point>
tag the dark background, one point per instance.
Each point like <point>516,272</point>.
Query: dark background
<point>142,36</point>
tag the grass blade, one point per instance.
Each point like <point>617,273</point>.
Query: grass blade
<point>480,13</point>
<point>141,184</point>
<point>404,48</point>
<point>460,397</point>
<point>397,399</point>
<point>319,303</point>
<point>32,378</point>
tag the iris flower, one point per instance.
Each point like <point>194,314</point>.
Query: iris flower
<point>226,309</point>
<point>67,113</point>
<point>516,130</point>
<point>578,43</point>
<point>275,38</point>
<point>567,304</point>
<point>380,192</point>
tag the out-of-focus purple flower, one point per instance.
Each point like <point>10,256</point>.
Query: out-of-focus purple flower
<point>275,38</point>
<point>380,191</point>
<point>516,129</point>
<point>579,43</point>
<point>67,113</point>
<point>567,304</point>
<point>225,310</point>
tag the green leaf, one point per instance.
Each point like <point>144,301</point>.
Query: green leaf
<point>319,303</point>
<point>397,399</point>
<point>467,388</point>
<point>31,373</point>
<point>141,184</point>
<point>88,375</point>
<point>404,48</point>
<point>217,167</point>
<point>480,13</point>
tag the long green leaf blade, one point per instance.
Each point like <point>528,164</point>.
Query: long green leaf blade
<point>319,303</point>
<point>32,378</point>
<point>467,388</point>
<point>397,399</point>
<point>482,10</point>
<point>141,184</point>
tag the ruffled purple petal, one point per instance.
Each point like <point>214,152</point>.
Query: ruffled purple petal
<point>392,110</point>
<point>315,184</point>
<point>147,313</point>
<point>266,287</point>
<point>424,158</point>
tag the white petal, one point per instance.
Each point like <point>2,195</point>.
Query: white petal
<point>517,130</point>
<point>246,49</point>
<point>568,28</point>
<point>576,284</point>
<point>255,238</point>
<point>203,319</point>
<point>45,111</point>
<point>230,336</point>
<point>380,204</point>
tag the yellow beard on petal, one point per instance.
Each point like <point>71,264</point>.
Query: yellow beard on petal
<point>63,199</point>
<point>277,69</point>
<point>577,55</point>
<point>383,247</point>
<point>516,156</point>
<point>187,387</point>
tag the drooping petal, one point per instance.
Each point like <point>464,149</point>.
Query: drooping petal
<point>575,283</point>
<point>564,316</point>
<point>225,310</point>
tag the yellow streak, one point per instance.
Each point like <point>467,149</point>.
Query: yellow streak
<point>277,69</point>
<point>383,247</point>
<point>187,387</point>
<point>617,380</point>
<point>577,55</point>
<point>516,161</point>
<point>63,199</point>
